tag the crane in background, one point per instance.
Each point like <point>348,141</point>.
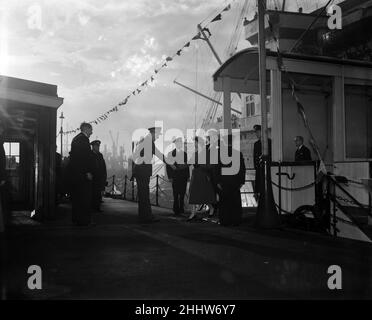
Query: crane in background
<point>114,145</point>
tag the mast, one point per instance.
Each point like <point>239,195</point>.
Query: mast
<point>203,95</point>
<point>262,72</point>
<point>209,44</point>
<point>267,214</point>
<point>283,5</point>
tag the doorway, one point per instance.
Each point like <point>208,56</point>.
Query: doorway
<point>18,167</point>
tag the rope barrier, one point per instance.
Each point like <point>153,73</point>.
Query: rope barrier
<point>161,191</point>
<point>162,178</point>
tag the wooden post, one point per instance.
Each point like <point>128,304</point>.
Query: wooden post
<point>267,214</point>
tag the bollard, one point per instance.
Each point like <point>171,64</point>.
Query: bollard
<point>267,216</point>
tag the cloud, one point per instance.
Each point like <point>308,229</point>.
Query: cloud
<point>150,43</point>
<point>83,19</point>
<point>97,52</point>
<point>140,65</point>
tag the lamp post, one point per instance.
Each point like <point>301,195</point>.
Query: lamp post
<point>267,214</point>
<point>61,132</point>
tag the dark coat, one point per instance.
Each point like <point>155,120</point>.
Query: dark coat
<point>303,154</point>
<point>232,181</point>
<point>203,180</point>
<point>100,172</point>
<point>257,153</point>
<point>230,204</point>
<point>182,171</point>
<point>81,160</point>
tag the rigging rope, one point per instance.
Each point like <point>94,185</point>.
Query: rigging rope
<point>310,26</point>
<point>230,50</point>
<point>196,83</point>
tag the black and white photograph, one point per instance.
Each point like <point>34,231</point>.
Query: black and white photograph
<point>185,156</point>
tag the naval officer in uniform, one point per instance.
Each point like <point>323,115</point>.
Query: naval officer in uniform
<point>99,175</point>
<point>142,171</point>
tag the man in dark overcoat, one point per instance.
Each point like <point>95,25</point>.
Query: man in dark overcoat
<point>81,171</point>
<point>257,155</point>
<point>302,152</point>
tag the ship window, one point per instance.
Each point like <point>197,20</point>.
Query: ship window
<point>12,155</point>
<point>358,121</point>
<point>250,106</point>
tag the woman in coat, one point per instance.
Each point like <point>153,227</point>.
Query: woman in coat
<point>203,179</point>
<point>230,202</point>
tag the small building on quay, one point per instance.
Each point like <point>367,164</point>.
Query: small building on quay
<point>29,111</point>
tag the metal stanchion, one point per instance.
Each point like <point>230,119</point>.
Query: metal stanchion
<point>113,185</point>
<point>125,188</point>
<point>132,190</point>
<point>280,186</point>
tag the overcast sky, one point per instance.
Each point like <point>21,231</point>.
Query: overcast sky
<point>97,52</point>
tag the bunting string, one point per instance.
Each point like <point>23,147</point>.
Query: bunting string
<point>152,77</point>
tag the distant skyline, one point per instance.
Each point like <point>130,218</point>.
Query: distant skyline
<point>97,52</point>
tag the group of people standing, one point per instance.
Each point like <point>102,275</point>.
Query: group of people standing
<point>87,176</point>
<point>208,186</point>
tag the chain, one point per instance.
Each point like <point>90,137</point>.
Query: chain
<point>345,221</point>
<point>349,201</point>
<point>355,182</point>
<point>282,210</point>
